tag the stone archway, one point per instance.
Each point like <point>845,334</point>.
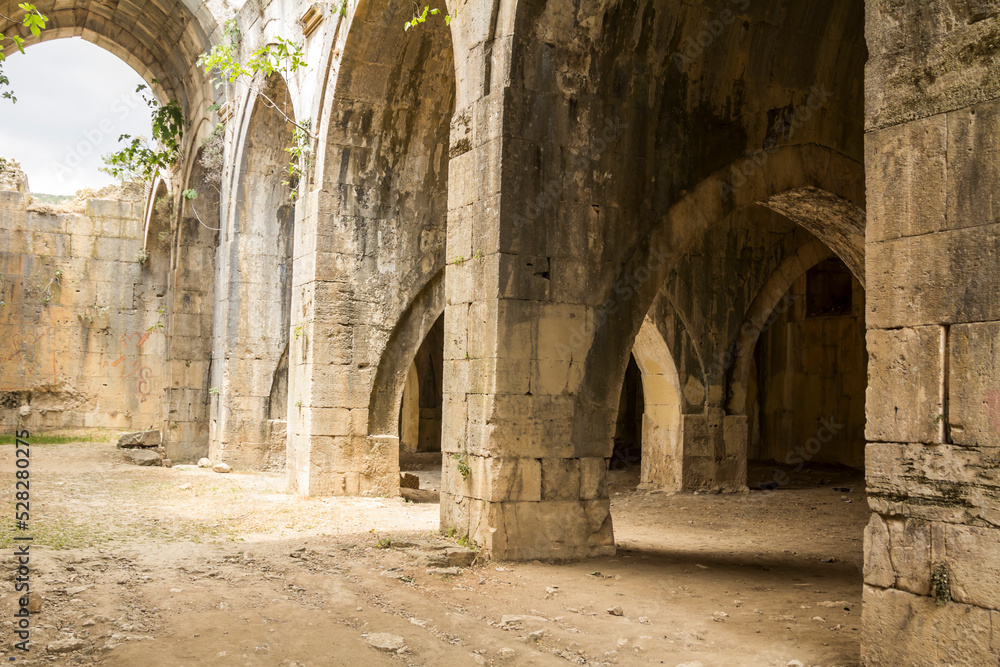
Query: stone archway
<point>662,455</point>
<point>159,42</point>
<point>250,359</point>
<point>379,247</point>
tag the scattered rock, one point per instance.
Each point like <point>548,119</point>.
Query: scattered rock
<point>383,641</point>
<point>221,467</point>
<point>88,623</point>
<point>204,463</point>
<point>616,611</point>
<point>508,621</point>
<point>720,616</point>
<point>140,439</point>
<point>536,635</point>
<point>444,571</point>
<point>185,486</point>
<point>506,654</point>
<point>818,618</point>
<point>34,603</point>
<point>452,557</point>
<point>794,663</point>
<point>409,481</point>
<point>67,645</point>
<point>142,457</point>
<point>643,620</point>
<point>167,463</point>
<point>76,590</point>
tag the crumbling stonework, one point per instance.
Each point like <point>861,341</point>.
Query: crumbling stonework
<point>81,345</point>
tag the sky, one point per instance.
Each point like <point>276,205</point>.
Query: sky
<point>74,99</point>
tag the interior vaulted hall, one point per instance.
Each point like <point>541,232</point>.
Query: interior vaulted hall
<point>601,263</point>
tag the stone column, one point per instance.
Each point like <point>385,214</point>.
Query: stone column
<point>189,327</point>
<point>518,326</point>
<point>932,547</point>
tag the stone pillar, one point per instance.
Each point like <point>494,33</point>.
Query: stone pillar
<point>518,326</point>
<point>332,358</point>
<point>409,427</point>
<point>932,547</point>
<point>189,327</point>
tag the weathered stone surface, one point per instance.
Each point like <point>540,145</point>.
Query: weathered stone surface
<point>935,482</point>
<point>911,281</point>
<point>905,384</point>
<point>383,641</point>
<point>409,481</point>
<point>878,570</point>
<point>973,396</point>
<point>899,628</point>
<point>67,645</point>
<point>140,439</point>
<point>143,457</point>
<point>454,557</point>
<point>954,69</point>
<point>972,556</point>
<point>909,156</point>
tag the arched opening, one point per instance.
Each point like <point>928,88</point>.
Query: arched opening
<point>420,415</point>
<point>627,455</point>
<point>647,449</point>
<point>62,123</point>
<point>257,264</point>
<point>806,394</point>
<point>379,243</point>
<point>85,261</point>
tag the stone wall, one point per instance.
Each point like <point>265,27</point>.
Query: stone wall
<point>933,242</point>
<point>82,340</point>
<point>811,374</point>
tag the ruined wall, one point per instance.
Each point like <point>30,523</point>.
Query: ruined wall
<point>81,336</point>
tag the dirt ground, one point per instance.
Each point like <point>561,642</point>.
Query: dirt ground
<point>155,566</point>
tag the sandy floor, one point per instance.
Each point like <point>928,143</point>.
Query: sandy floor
<point>154,566</point>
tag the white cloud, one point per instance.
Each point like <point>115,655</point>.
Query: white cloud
<point>74,99</point>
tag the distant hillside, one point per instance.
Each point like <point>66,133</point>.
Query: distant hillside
<point>51,199</point>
